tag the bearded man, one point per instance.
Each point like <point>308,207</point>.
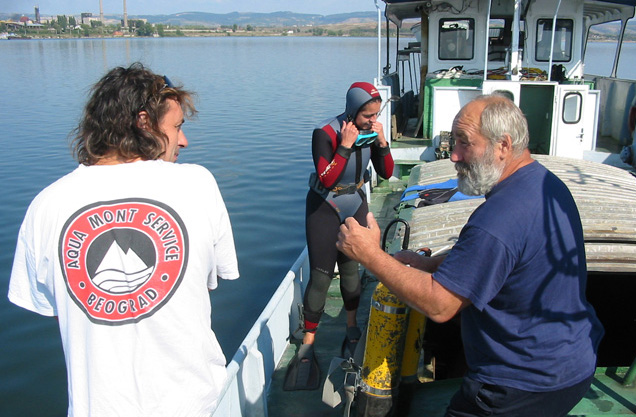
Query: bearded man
<point>517,274</point>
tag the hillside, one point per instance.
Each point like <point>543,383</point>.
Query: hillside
<point>289,19</point>
<point>276,19</point>
<point>611,30</point>
<point>353,24</point>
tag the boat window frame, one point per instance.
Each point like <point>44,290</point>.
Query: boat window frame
<point>468,47</point>
<point>546,30</point>
<point>566,108</point>
<point>500,38</point>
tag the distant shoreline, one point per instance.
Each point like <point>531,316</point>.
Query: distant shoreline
<point>258,35</point>
<point>211,33</point>
<point>147,30</point>
<point>236,35</point>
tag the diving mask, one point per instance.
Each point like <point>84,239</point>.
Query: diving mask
<point>366,137</point>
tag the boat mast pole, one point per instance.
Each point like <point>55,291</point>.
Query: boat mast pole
<point>618,48</point>
<point>554,21</point>
<point>377,6</point>
<point>486,42</point>
<point>515,64</point>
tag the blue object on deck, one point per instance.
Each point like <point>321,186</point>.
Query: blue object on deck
<point>449,186</point>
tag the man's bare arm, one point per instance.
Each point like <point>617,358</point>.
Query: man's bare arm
<point>415,287</point>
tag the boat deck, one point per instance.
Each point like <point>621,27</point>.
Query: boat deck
<point>606,397</point>
<point>331,331</point>
<point>610,228</point>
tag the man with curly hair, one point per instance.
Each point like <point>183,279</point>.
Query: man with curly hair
<point>123,251</point>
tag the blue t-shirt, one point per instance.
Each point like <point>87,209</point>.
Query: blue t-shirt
<point>520,260</point>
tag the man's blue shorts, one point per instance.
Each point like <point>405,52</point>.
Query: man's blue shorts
<point>478,399</point>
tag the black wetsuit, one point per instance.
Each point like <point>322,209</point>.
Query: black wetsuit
<point>341,169</point>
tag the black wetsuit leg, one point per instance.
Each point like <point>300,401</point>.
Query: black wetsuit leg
<point>321,227</point>
<point>350,286</point>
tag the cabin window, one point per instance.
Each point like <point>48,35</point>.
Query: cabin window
<point>456,39</point>
<point>500,39</point>
<point>572,104</point>
<point>562,51</point>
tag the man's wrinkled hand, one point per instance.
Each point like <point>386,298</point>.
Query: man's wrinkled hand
<point>359,242</point>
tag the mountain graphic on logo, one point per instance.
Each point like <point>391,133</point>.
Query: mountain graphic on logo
<point>121,272</point>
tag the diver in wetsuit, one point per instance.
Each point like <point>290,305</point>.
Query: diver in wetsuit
<point>342,148</point>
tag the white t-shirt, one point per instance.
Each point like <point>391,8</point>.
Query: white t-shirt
<point>124,255</point>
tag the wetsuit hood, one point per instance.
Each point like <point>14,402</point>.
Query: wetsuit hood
<point>359,94</point>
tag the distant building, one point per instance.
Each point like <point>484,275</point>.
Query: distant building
<point>86,18</point>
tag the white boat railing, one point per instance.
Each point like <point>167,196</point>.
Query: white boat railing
<point>250,370</point>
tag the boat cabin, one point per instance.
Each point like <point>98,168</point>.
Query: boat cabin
<point>466,48</point>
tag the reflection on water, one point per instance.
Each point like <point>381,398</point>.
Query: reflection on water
<point>600,59</point>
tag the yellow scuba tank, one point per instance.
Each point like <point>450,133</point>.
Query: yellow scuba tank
<point>413,344</point>
<point>383,353</point>
<point>380,373</point>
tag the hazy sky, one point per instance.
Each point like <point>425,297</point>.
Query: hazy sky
<point>138,7</point>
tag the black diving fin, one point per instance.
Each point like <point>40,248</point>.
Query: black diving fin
<point>303,372</point>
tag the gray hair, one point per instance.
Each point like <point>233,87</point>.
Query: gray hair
<point>501,116</point>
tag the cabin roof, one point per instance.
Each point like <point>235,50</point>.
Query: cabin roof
<point>595,11</point>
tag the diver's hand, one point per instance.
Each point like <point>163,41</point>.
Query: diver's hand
<point>349,134</point>
<point>379,129</point>
<point>358,242</point>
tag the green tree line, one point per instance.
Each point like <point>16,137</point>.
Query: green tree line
<point>69,26</point>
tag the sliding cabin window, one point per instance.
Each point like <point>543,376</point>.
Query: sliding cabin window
<point>562,40</point>
<point>456,39</point>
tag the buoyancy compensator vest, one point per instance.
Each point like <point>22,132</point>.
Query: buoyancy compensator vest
<point>346,196</point>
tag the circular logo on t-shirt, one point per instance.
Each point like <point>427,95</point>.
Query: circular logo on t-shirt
<point>122,260</point>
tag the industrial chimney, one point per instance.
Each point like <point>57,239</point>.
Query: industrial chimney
<point>101,12</point>
<point>125,16</point>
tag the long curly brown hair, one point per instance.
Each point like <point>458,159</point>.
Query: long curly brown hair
<point>110,123</point>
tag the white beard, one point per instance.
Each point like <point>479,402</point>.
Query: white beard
<point>480,176</point>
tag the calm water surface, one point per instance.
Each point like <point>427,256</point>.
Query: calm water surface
<point>259,99</point>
